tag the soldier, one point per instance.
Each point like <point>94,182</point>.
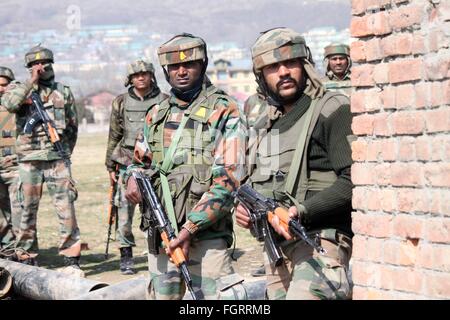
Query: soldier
<point>10,210</point>
<point>193,141</point>
<point>305,167</point>
<point>38,160</point>
<point>337,62</point>
<point>127,118</point>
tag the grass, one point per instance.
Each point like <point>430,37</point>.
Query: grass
<point>89,172</point>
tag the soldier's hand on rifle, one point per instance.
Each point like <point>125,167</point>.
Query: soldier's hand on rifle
<point>293,214</point>
<point>112,178</point>
<point>183,240</point>
<point>132,193</point>
<point>242,217</point>
<point>36,71</point>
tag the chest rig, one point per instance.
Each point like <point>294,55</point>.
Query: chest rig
<point>185,167</point>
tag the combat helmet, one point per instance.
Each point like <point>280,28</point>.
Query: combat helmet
<point>38,53</point>
<point>136,67</point>
<point>7,73</point>
<point>276,45</point>
<point>336,48</point>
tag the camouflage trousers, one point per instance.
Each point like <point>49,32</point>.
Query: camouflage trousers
<point>62,190</point>
<point>308,275</point>
<point>125,214</point>
<point>10,210</point>
<point>208,261</point>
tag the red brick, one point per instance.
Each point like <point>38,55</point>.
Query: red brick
<point>373,150</point>
<point>405,70</point>
<point>375,249</point>
<point>362,76</point>
<point>374,200</point>
<point>390,252</point>
<point>372,99</point>
<point>438,230</point>
<point>418,44</point>
<point>359,150</point>
<point>403,44</point>
<point>408,252</point>
<point>407,122</point>
<point>422,203</point>
<point>358,7</point>
<point>437,285</point>
<point>362,174</point>
<point>406,174</point>
<point>423,98</point>
<point>388,149</point>
<point>437,150</point>
<point>435,202</point>
<point>436,40</point>
<point>357,104</point>
<point>437,174</point>
<point>446,90</point>
<point>359,250</point>
<point>380,73</point>
<point>404,96</point>
<point>405,17</point>
<point>433,256</point>
<point>445,195</point>
<point>359,27</point>
<point>408,279</point>
<point>373,50</point>
<point>359,223</point>
<point>360,293</point>
<point>388,200</point>
<point>379,226</point>
<point>359,198</point>
<point>436,68</point>
<point>408,226</point>
<point>406,150</point>
<point>357,51</point>
<point>382,174</point>
<point>425,256</point>
<point>366,274</point>
<point>378,23</point>
<point>437,95</point>
<point>387,97</point>
<point>407,200</point>
<point>381,124</point>
<point>387,278</point>
<point>423,147</point>
<point>363,124</point>
<point>444,11</point>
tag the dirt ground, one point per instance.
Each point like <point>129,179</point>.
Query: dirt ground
<point>91,209</point>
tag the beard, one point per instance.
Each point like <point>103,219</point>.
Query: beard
<point>289,98</point>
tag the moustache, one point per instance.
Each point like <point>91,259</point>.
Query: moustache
<point>286,80</point>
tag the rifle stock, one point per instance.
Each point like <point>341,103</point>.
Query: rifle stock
<point>112,216</point>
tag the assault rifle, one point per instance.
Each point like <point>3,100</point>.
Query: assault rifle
<point>112,214</point>
<point>153,211</point>
<point>40,116</point>
<point>262,210</point>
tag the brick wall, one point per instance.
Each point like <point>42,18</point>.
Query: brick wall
<point>401,170</point>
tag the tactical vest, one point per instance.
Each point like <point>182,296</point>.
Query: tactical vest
<point>275,152</point>
<point>341,86</point>
<point>134,117</point>
<point>8,132</point>
<point>191,175</point>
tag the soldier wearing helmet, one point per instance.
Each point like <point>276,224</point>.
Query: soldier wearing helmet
<point>302,160</point>
<point>337,63</point>
<point>193,142</point>
<point>127,118</point>
<point>10,210</point>
<point>38,160</point>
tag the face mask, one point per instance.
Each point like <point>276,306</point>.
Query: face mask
<point>48,72</point>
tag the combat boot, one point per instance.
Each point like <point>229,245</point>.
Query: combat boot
<point>126,261</point>
<point>72,266</point>
<point>259,272</point>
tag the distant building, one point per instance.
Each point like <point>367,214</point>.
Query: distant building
<point>99,104</point>
<point>234,77</point>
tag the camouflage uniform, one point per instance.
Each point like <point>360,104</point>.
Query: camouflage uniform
<point>331,81</point>
<point>10,210</point>
<point>207,167</point>
<point>127,118</point>
<point>322,187</point>
<point>38,160</point>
